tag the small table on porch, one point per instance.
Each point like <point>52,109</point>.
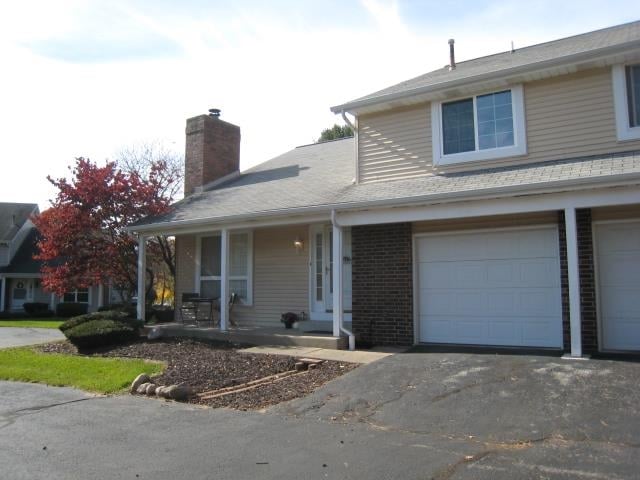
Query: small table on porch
<point>196,303</point>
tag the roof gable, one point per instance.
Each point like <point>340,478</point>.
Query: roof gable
<point>531,57</point>
<point>12,217</point>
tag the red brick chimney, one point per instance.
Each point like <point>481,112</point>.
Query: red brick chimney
<point>212,151</point>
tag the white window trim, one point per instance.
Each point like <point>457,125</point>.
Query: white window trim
<point>621,106</point>
<point>249,277</point>
<point>519,132</point>
<point>75,294</point>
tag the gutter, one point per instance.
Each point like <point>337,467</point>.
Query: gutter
<point>498,74</point>
<point>617,180</point>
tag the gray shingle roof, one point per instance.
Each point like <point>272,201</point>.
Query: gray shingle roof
<point>12,217</point>
<point>23,261</point>
<point>598,40</point>
<point>321,176</point>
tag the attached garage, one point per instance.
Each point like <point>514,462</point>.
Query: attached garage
<point>618,276</point>
<point>498,287</point>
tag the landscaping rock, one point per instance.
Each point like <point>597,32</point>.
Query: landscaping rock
<point>151,389</point>
<point>142,389</point>
<point>160,392</point>
<point>178,392</point>
<point>140,379</point>
<point>154,334</point>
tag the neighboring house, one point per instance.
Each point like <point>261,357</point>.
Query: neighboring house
<point>20,277</point>
<point>491,202</point>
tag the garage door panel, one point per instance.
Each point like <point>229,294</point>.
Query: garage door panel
<point>505,291</point>
<point>619,301</point>
<point>618,238</point>
<point>620,269</point>
<point>618,259</point>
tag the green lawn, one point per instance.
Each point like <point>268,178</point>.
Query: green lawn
<point>95,374</point>
<point>32,323</point>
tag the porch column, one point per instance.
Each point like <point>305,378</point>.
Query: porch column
<point>575,320</point>
<point>52,302</point>
<point>3,286</point>
<point>142,271</point>
<point>100,295</point>
<point>224,279</point>
<point>337,280</point>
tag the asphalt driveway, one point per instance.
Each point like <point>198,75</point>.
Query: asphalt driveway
<point>18,337</point>
<point>419,416</point>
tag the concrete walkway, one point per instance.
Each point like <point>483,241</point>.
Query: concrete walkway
<point>19,337</point>
<point>357,356</point>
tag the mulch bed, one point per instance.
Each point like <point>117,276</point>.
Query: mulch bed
<point>206,366</point>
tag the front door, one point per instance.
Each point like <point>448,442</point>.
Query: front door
<point>21,293</point>
<point>322,269</point>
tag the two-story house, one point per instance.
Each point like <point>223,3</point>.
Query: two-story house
<point>20,277</point>
<point>494,201</point>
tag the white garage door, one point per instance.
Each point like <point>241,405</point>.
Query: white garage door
<point>618,250</point>
<point>490,288</point>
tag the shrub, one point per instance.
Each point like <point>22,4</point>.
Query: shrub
<point>70,309</point>
<point>35,308</point>
<point>98,333</point>
<point>129,309</point>
<point>100,329</point>
<point>87,317</point>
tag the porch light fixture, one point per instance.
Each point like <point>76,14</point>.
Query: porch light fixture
<point>299,244</point>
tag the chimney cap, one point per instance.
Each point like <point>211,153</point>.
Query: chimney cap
<point>214,112</point>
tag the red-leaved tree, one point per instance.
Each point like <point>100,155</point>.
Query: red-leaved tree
<point>83,237</point>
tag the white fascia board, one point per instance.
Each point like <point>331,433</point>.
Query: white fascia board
<point>567,61</point>
<point>321,213</point>
<point>496,206</point>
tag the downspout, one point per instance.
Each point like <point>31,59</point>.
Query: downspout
<point>347,121</point>
<point>352,338</point>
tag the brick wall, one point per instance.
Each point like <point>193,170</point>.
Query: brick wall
<point>587,282</point>
<point>212,150</point>
<point>382,284</point>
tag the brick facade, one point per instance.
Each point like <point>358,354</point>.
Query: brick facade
<point>212,151</point>
<point>587,282</point>
<point>382,284</point>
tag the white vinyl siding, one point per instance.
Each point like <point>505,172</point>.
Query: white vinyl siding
<point>566,116</point>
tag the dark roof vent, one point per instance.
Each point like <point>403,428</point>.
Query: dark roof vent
<point>214,112</point>
<point>452,55</point>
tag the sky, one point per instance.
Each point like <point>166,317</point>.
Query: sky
<point>88,78</point>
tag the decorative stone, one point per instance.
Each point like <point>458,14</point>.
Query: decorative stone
<point>154,333</point>
<point>151,389</point>
<point>139,380</point>
<point>142,389</point>
<point>177,392</point>
<point>160,392</point>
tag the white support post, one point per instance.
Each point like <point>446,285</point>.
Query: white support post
<point>338,310</point>
<point>52,302</point>
<point>575,320</point>
<point>224,279</point>
<point>3,286</point>
<point>142,273</point>
<point>100,295</point>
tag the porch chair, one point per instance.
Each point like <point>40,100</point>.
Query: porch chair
<point>188,305</point>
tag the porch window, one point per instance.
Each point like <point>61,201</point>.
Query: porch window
<point>626,97</point>
<point>240,262</point>
<point>79,295</point>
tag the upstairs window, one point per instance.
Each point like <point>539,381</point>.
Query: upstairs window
<point>626,97</point>
<point>479,128</point>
